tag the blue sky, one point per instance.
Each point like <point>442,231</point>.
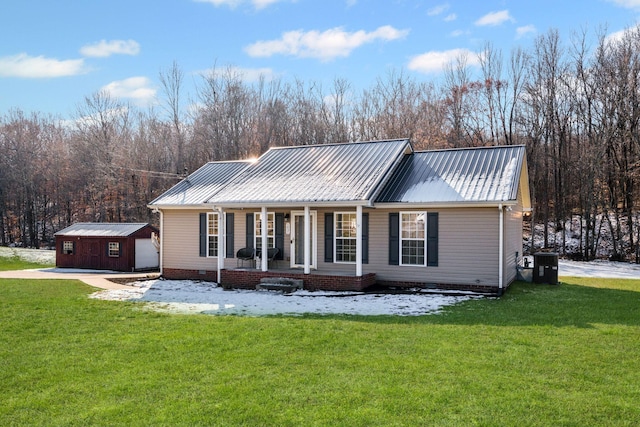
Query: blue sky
<point>54,53</point>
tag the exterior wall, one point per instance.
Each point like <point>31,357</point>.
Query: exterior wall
<point>467,246</point>
<point>181,242</point>
<point>92,253</point>
<point>513,240</point>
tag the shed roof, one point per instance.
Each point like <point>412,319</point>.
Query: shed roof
<point>315,174</point>
<point>101,229</point>
<point>201,184</point>
<point>487,174</point>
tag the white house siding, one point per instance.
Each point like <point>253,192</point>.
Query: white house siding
<point>181,241</point>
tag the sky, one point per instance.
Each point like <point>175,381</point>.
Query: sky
<point>53,54</point>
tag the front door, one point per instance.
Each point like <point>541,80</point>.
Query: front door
<point>298,240</point>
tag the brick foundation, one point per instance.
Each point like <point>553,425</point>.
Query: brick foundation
<point>248,279</point>
<point>487,289</point>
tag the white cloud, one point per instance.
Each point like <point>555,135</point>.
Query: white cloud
<point>325,45</point>
<point>523,31</point>
<point>258,4</point>
<point>435,61</point>
<point>36,67</point>
<point>437,10</point>
<point>458,33</point>
<point>450,17</point>
<point>494,18</point>
<point>619,35</point>
<point>136,88</point>
<point>106,48</point>
<point>628,4</point>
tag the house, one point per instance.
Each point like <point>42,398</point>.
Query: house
<point>348,216</point>
<point>108,246</point>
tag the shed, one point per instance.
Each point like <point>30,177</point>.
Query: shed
<point>108,246</point>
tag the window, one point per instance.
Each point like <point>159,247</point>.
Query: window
<point>67,247</point>
<point>413,227</point>
<point>114,249</point>
<point>345,237</point>
<point>271,241</point>
<point>212,234</point>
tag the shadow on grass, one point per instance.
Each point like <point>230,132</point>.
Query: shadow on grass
<point>524,304</point>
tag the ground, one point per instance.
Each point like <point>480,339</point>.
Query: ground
<point>187,296</point>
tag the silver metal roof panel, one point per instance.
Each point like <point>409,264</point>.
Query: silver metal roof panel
<point>201,184</point>
<point>487,174</point>
<point>101,229</point>
<point>314,173</point>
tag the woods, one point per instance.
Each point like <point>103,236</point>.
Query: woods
<point>573,103</point>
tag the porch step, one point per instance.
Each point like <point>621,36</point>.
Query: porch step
<point>283,284</point>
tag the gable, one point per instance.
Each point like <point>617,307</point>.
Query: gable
<point>476,175</point>
<point>330,173</point>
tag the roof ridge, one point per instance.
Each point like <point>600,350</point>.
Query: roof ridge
<point>335,144</point>
<point>468,148</point>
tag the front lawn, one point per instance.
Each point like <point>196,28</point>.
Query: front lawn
<point>540,355</point>
<point>17,263</point>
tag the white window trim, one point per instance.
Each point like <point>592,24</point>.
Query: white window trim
<point>67,247</point>
<point>335,238</point>
<point>118,254</point>
<point>401,239</point>
<point>257,237</point>
<point>213,216</point>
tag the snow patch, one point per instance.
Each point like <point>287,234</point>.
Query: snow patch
<point>186,296</point>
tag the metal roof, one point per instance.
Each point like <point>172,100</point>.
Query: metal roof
<point>101,229</point>
<point>315,173</point>
<point>487,174</point>
<point>201,184</point>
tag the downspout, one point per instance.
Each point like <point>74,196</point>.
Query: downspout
<point>501,250</point>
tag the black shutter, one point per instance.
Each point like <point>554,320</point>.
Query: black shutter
<point>120,245</point>
<point>365,238</point>
<point>394,238</point>
<point>279,230</point>
<point>230,249</point>
<point>250,228</point>
<point>203,234</point>
<point>328,237</point>
<point>432,239</point>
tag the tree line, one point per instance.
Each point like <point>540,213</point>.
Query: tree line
<point>573,104</point>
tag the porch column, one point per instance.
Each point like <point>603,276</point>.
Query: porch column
<point>307,240</point>
<point>358,241</point>
<point>264,259</point>
<point>221,242</point>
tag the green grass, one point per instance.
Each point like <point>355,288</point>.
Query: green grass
<point>563,355</point>
<point>16,263</point>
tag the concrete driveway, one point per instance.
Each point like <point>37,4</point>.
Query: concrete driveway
<point>98,279</point>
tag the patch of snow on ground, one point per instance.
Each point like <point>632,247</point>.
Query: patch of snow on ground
<point>40,256</point>
<point>186,296</point>
<point>603,269</point>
